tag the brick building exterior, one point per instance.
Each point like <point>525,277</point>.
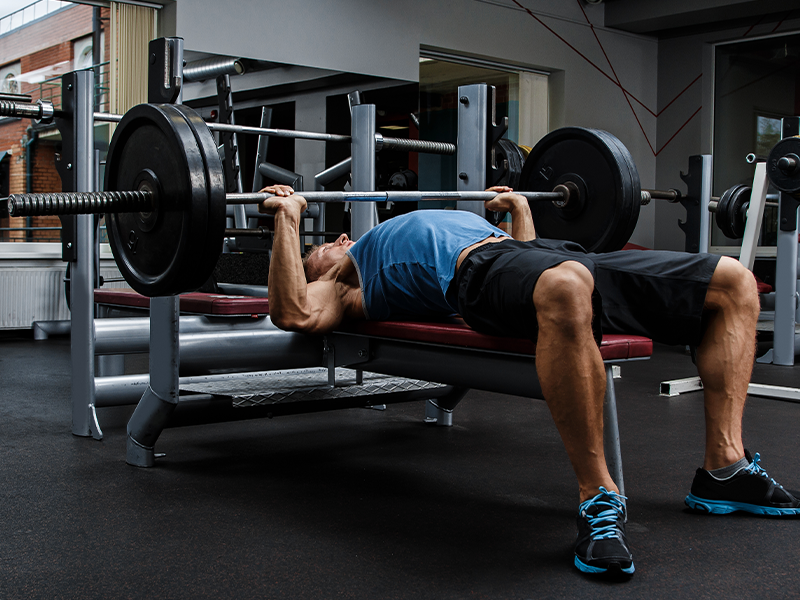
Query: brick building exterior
<point>45,45</point>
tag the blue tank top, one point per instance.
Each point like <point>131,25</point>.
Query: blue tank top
<point>406,264</point>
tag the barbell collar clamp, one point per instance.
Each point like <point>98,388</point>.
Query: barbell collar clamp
<point>41,110</point>
<point>671,195</point>
<point>788,163</point>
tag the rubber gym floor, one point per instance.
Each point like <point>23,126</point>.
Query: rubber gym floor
<point>372,504</point>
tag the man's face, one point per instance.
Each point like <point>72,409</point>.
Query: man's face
<point>329,254</point>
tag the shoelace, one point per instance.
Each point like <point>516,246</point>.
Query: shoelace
<point>756,469</point>
<point>604,523</point>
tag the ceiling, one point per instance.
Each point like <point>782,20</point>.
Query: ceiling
<point>661,16</point>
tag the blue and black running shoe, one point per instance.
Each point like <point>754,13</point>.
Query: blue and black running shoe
<point>750,490</point>
<point>601,548</point>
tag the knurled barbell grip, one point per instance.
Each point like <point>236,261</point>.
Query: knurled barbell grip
<point>78,203</point>
<point>394,196</point>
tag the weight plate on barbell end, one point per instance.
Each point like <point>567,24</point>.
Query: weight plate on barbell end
<point>174,248</point>
<point>508,161</point>
<point>628,169</point>
<point>218,205</point>
<point>785,181</point>
<point>731,216</point>
<point>605,170</point>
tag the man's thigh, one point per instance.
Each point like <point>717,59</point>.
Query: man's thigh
<point>496,288</point>
<point>660,295</point>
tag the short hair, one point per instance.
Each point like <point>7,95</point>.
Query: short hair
<point>308,269</point>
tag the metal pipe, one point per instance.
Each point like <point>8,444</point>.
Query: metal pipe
<point>261,233</point>
<point>211,68</point>
<point>670,195</point>
<point>425,146</point>
<point>220,344</point>
<point>132,335</point>
<point>41,110</point>
<point>27,98</point>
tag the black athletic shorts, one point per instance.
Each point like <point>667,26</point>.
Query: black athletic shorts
<point>655,294</point>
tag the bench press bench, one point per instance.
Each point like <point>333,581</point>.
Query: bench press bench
<point>446,352</point>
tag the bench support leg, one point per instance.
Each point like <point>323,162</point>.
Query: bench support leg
<point>611,432</point>
<point>161,396</point>
<point>440,410</point>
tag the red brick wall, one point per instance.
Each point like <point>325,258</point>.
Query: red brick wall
<point>65,25</point>
<point>37,45</point>
<point>45,179</point>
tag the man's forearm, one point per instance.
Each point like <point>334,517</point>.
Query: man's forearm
<point>522,222</point>
<point>287,281</point>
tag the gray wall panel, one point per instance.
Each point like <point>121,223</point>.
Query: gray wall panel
<point>383,39</point>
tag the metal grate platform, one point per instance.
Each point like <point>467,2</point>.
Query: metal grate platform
<point>274,387</point>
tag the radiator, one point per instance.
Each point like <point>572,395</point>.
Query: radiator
<point>32,292</point>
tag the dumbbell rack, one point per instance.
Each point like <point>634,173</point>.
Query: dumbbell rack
<point>786,340</point>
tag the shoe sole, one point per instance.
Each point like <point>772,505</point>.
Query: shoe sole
<point>723,507</point>
<point>611,570</point>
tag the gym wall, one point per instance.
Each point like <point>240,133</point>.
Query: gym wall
<point>384,40</point>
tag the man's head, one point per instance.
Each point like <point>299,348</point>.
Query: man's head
<point>319,259</point>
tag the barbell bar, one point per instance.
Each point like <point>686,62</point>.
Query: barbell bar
<point>381,142</point>
<point>165,202</point>
<point>132,201</point>
<point>43,110</point>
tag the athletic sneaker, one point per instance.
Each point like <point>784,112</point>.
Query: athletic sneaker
<point>750,489</point>
<point>601,547</point>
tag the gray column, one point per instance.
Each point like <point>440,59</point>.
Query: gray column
<point>364,215</point>
<point>84,417</point>
<point>471,160</point>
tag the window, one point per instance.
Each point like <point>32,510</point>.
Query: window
<point>756,83</point>
<point>521,95</point>
<point>9,79</point>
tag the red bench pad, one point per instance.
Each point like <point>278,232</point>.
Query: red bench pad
<point>451,333</point>
<point>195,302</point>
<point>458,333</point>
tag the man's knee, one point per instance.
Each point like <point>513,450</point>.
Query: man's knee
<point>733,287</point>
<point>563,295</point>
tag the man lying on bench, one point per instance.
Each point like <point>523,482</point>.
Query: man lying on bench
<point>439,262</point>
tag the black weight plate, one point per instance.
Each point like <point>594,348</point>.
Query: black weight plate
<point>731,216</point>
<point>628,169</point>
<point>217,204</point>
<point>785,181</point>
<point>160,253</point>
<point>595,160</point>
<point>508,163</point>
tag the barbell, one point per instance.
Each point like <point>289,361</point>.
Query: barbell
<point>165,197</point>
